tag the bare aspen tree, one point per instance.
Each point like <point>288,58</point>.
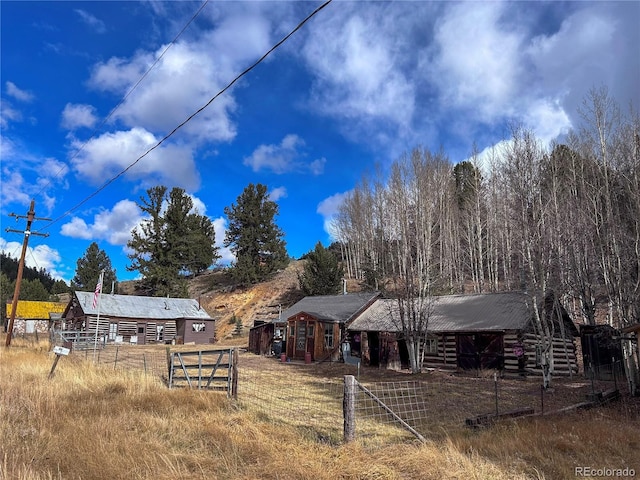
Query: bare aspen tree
<point>610,140</point>
<point>530,218</point>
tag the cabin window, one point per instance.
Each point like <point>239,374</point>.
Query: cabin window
<point>310,330</point>
<point>140,329</point>
<point>328,336</point>
<point>431,346</point>
<point>292,331</point>
<point>159,333</point>
<point>198,327</point>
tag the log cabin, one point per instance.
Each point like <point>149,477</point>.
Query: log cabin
<point>469,332</point>
<point>316,325</point>
<point>139,320</point>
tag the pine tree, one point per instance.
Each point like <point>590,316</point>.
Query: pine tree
<point>88,269</point>
<point>322,273</point>
<point>171,243</point>
<point>254,237</point>
<point>33,290</point>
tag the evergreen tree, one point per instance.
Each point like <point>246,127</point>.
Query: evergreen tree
<point>60,286</point>
<point>88,269</point>
<point>190,237</point>
<point>322,273</point>
<point>9,267</point>
<point>147,245</point>
<point>6,293</point>
<point>172,243</point>
<point>33,290</point>
<point>254,237</point>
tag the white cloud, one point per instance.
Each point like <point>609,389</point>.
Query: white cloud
<point>477,61</point>
<point>17,93</point>
<point>110,153</point>
<point>8,114</point>
<point>329,208</point>
<point>95,23</point>
<point>317,166</point>
<point>198,205</point>
<point>182,82</point>
<point>277,158</point>
<point>357,58</point>
<point>14,188</point>
<point>547,119</point>
<point>76,116</point>
<point>187,77</point>
<point>286,157</point>
<point>277,193</point>
<point>587,51</point>
<point>113,225</point>
<point>220,227</point>
<point>38,257</point>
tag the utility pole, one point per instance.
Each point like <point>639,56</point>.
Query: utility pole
<point>31,216</point>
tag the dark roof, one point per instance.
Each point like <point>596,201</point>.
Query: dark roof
<point>455,313</point>
<point>133,306</point>
<point>332,308</point>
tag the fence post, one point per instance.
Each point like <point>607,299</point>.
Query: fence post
<point>234,374</point>
<point>495,381</point>
<point>349,408</point>
<point>115,360</point>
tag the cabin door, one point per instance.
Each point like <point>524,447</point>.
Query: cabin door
<point>304,339</point>
<point>480,351</point>
<point>301,340</point>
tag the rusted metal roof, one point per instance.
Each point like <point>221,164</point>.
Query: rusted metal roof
<point>132,306</point>
<point>332,308</point>
<point>454,313</point>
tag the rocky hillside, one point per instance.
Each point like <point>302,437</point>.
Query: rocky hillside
<point>225,302</point>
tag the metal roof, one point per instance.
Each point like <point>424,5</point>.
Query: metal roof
<point>32,309</point>
<point>454,313</point>
<point>133,306</point>
<point>333,308</point>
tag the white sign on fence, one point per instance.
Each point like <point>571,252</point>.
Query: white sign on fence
<point>61,350</point>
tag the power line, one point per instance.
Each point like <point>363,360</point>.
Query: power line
<point>119,104</point>
<point>190,117</point>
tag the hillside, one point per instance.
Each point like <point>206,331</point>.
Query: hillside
<point>222,299</point>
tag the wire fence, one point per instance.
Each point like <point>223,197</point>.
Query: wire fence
<point>431,407</point>
<point>311,398</point>
<point>153,361</point>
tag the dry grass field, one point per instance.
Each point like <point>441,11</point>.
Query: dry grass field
<point>99,422</point>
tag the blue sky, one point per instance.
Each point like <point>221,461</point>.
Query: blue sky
<point>360,84</point>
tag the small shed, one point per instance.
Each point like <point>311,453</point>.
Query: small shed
<point>267,336</point>
<point>140,320</point>
<point>468,332</point>
<point>34,317</point>
<point>317,324</point>
<point>601,352</point>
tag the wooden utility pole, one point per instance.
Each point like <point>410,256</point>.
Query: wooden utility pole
<point>31,216</point>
